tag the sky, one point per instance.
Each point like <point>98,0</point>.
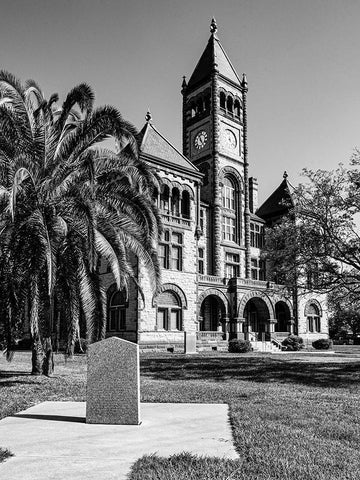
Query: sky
<point>301,58</point>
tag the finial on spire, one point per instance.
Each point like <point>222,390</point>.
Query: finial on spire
<point>285,176</point>
<point>184,84</point>
<point>244,80</point>
<point>213,26</point>
<point>148,116</point>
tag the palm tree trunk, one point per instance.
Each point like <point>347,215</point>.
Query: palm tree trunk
<point>36,355</point>
<point>48,363</point>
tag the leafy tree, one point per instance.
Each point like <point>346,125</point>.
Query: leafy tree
<point>66,200</point>
<point>345,316</point>
<point>317,244</point>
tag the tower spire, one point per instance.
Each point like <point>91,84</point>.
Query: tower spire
<point>148,116</point>
<point>213,26</point>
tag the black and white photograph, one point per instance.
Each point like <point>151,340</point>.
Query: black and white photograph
<point>179,240</point>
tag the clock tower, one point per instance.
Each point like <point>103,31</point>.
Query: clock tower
<point>215,140</point>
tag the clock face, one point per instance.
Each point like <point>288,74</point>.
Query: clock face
<point>200,139</point>
<point>230,139</point>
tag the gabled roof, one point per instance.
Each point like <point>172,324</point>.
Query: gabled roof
<point>155,145</point>
<point>214,54</point>
<point>278,203</point>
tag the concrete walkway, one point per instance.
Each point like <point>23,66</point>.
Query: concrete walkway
<point>51,441</point>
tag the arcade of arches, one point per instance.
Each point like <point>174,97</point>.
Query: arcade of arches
<point>256,317</point>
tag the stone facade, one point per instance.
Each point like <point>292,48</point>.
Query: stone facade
<point>214,281</point>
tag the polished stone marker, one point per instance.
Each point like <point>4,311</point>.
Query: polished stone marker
<point>113,383</point>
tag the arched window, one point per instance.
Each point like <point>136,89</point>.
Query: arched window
<point>313,318</point>
<point>175,202</point>
<point>228,194</point>
<point>192,110</point>
<point>207,103</point>
<point>164,198</point>
<point>169,311</point>
<point>237,108</point>
<point>156,196</point>
<point>200,106</point>
<point>185,205</point>
<point>117,311</point>
<point>222,100</point>
<point>231,218</point>
<point>229,104</point>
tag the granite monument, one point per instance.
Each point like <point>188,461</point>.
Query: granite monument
<point>113,383</point>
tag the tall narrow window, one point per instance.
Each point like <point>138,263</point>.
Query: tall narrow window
<point>177,251</point>
<point>165,198</point>
<point>237,108</point>
<point>256,235</point>
<point>229,104</point>
<point>117,311</point>
<point>313,318</point>
<point>228,194</point>
<point>232,265</point>
<point>222,100</point>
<point>169,311</point>
<point>229,229</point>
<point>175,202</point>
<point>202,219</point>
<point>201,261</point>
<point>255,269</point>
<point>185,204</point>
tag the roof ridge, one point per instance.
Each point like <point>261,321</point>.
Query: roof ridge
<point>228,59</point>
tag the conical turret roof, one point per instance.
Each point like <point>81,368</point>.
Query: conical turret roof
<point>213,57</point>
<point>279,202</point>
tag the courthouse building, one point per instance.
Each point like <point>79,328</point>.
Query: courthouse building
<point>215,284</point>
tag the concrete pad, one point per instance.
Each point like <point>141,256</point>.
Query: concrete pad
<point>51,441</point>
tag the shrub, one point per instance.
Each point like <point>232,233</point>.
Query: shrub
<point>239,346</point>
<point>322,344</point>
<point>293,343</point>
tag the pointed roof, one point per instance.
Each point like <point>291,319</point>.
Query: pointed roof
<point>278,203</point>
<point>155,145</point>
<point>214,56</point>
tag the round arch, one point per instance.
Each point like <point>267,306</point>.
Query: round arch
<point>216,293</point>
<point>308,304</point>
<point>113,289</point>
<point>231,172</point>
<point>252,295</point>
<point>186,188</point>
<point>173,288</point>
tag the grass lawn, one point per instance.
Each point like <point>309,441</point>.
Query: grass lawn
<point>294,416</point>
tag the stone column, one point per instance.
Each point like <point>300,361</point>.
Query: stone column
<point>217,264</point>
<point>226,325</point>
<point>244,85</point>
<point>239,324</point>
<point>291,324</point>
<point>271,325</point>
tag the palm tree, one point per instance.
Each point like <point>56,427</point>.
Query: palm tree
<point>66,200</point>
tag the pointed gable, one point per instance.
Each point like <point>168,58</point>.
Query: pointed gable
<point>213,55</point>
<point>278,203</point>
<point>155,145</point>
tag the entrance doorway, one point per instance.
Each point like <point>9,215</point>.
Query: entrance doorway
<point>212,313</point>
<point>256,315</point>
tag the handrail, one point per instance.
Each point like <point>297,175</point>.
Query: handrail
<point>275,341</point>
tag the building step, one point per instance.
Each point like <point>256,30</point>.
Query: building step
<point>264,347</point>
